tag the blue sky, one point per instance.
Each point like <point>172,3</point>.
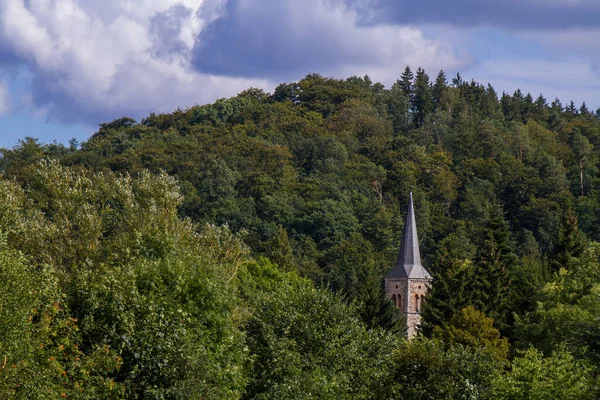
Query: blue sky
<point>68,65</point>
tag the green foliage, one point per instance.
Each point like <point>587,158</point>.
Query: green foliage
<point>177,253</point>
<point>41,347</point>
<point>472,328</point>
<point>567,311</point>
<point>305,343</point>
<point>534,377</point>
<point>425,369</point>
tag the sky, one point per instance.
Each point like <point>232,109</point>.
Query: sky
<point>68,65</point>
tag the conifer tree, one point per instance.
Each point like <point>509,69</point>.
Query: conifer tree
<point>541,103</point>
<point>528,108</point>
<point>572,108</point>
<point>540,108</point>
<point>493,262</point>
<point>406,82</point>
<point>422,101</point>
<point>457,80</point>
<point>505,104</point>
<point>491,101</point>
<point>440,86</point>
<point>453,278</point>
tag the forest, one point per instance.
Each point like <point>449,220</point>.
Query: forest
<point>237,250</point>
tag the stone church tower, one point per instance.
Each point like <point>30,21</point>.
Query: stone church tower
<point>407,284</point>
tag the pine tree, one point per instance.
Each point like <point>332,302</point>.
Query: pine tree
<point>406,82</point>
<point>540,108</point>
<point>517,105</point>
<point>457,80</point>
<point>570,243</point>
<point>528,108</point>
<point>491,101</point>
<point>505,104</point>
<point>422,101</point>
<point>440,86</point>
<point>541,103</point>
<point>556,105</point>
<point>572,108</point>
<point>493,263</point>
<point>453,278</point>
<point>583,110</point>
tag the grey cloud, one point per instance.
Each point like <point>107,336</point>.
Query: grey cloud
<point>164,30</point>
<point>267,40</point>
<point>510,14</point>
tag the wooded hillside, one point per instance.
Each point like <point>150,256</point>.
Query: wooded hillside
<point>238,249</point>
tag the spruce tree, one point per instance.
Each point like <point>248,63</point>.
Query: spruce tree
<point>440,86</point>
<point>528,107</point>
<point>494,260</point>
<point>541,103</point>
<point>491,101</point>
<point>505,104</point>
<point>457,80</point>
<point>572,108</point>
<point>452,268</point>
<point>422,101</point>
<point>406,82</point>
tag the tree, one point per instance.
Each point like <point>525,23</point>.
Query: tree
<point>581,148</point>
<point>472,328</point>
<point>439,87</point>
<point>534,377</point>
<point>305,341</point>
<point>567,309</point>
<point>422,103</point>
<point>453,279</point>
<point>494,261</point>
<point>406,83</point>
<point>426,369</point>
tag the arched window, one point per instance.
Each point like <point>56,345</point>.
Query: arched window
<point>417,303</point>
<point>400,301</point>
<point>394,300</point>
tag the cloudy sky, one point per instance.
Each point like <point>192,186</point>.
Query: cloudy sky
<point>68,65</point>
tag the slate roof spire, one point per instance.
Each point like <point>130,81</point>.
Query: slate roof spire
<point>409,260</point>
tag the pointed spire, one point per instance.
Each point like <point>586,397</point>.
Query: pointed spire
<point>409,260</point>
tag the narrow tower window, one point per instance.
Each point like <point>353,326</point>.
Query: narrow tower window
<point>394,300</point>
<point>417,305</point>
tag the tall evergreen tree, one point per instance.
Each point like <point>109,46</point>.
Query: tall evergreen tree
<point>422,103</point>
<point>490,108</point>
<point>440,86</point>
<point>406,82</point>
<point>506,105</point>
<point>528,107</point>
<point>453,278</point>
<point>493,262</point>
<point>457,81</point>
<point>572,108</point>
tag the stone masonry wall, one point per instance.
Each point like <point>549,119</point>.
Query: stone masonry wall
<point>399,287</point>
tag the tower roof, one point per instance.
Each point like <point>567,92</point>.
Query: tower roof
<point>409,260</point>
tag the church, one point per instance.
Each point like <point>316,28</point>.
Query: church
<point>407,283</point>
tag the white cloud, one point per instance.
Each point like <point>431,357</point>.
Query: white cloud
<point>4,98</point>
<point>94,60</point>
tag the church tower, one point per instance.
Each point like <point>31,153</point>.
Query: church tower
<point>407,283</point>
